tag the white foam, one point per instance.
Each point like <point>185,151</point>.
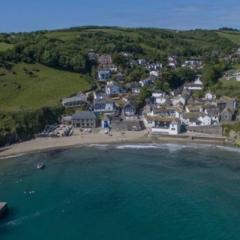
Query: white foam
<point>137,146</point>
<point>230,149</point>
<point>100,146</point>
<point>171,147</point>
<point>12,156</point>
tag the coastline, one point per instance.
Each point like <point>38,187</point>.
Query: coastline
<point>142,137</point>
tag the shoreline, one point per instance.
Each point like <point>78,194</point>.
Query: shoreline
<point>50,144</point>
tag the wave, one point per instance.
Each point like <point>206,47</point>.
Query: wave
<point>230,149</point>
<point>171,147</point>
<point>100,146</point>
<point>13,156</point>
<point>137,146</point>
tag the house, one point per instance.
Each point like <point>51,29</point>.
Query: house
<point>147,82</point>
<point>224,102</point>
<point>194,108</point>
<point>169,112</point>
<point>160,125</point>
<point>181,99</point>
<point>205,120</point>
<point>154,66</point>
<point>209,97</point>
<point>154,73</point>
<point>74,101</point>
<point>104,59</point>
<point>213,112</point>
<point>112,90</point>
<point>104,75</point>
<point>136,90</point>
<point>92,55</point>
<point>66,120</point>
<point>227,115</point>
<point>232,75</point>
<point>193,64</point>
<point>191,119</point>
<point>105,106</point>
<point>172,61</point>
<point>159,97</point>
<point>141,61</point>
<point>99,95</point>
<point>197,85</point>
<point>84,119</point>
<point>129,110</point>
<point>113,68</point>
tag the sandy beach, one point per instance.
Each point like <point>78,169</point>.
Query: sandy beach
<point>85,139</point>
<point>44,144</point>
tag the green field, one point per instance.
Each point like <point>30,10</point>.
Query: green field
<point>34,86</point>
<point>229,88</point>
<point>232,36</point>
<point>5,46</point>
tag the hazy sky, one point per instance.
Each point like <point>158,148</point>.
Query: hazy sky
<point>27,15</point>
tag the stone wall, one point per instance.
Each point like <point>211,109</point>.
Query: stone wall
<point>216,130</point>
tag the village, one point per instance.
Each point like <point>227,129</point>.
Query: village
<point>112,106</point>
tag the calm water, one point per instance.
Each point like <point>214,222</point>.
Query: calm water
<point>158,192</point>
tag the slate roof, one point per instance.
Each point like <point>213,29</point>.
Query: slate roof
<point>83,115</point>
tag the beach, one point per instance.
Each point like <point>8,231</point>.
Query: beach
<point>85,139</point>
<point>45,144</point>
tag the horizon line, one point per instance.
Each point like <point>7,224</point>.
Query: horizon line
<point>119,27</point>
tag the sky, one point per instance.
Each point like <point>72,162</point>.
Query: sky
<point>30,15</point>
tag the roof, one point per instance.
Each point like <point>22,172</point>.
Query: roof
<point>104,101</point>
<point>193,115</point>
<point>162,119</point>
<point>80,98</point>
<point>83,115</point>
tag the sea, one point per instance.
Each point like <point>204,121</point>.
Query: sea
<point>123,192</point>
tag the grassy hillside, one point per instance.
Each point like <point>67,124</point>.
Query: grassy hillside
<point>229,88</point>
<point>5,46</point>
<point>232,36</point>
<point>32,86</point>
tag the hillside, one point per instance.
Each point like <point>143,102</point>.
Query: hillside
<point>32,86</point>
<point>232,36</point>
<point>62,68</point>
<point>38,69</point>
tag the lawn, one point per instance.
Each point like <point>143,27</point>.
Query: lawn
<point>5,46</point>
<point>34,86</point>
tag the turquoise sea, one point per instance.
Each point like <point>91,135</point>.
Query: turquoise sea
<point>167,192</point>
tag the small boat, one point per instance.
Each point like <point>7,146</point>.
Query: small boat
<point>40,165</point>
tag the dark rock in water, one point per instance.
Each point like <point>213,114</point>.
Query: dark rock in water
<point>3,209</point>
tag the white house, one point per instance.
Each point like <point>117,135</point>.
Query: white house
<point>205,120</point>
<point>159,125</point>
<point>154,73</point>
<point>197,85</point>
<point>159,98</point>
